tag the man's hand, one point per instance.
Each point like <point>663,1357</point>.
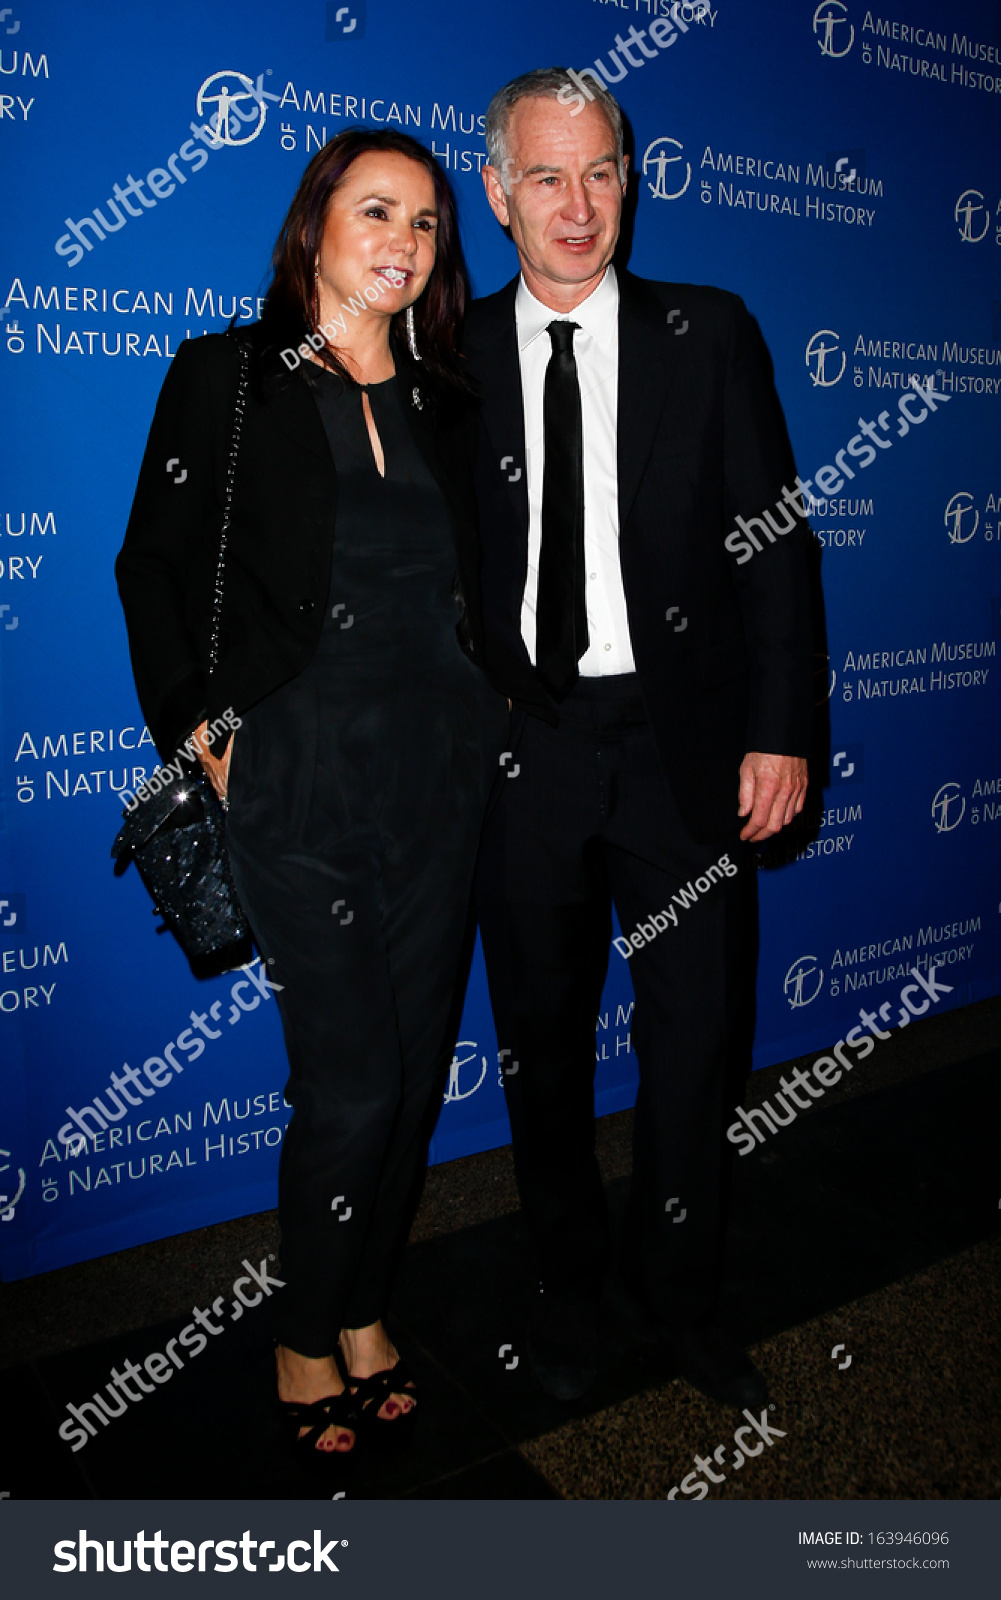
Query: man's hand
<point>217,770</point>
<point>772,789</point>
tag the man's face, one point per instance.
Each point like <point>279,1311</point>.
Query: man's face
<point>563,199</point>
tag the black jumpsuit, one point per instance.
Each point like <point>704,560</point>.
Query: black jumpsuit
<point>357,791</point>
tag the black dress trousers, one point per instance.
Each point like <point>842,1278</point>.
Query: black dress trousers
<point>357,792</point>
<point>588,822</point>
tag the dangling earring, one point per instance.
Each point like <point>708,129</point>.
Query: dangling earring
<point>412,334</point>
<point>316,293</point>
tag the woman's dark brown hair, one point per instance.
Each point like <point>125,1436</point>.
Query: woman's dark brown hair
<point>288,313</point>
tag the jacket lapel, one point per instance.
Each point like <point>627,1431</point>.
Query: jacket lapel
<point>421,398</point>
<point>494,357</point>
<point>293,410</point>
<point>417,398</point>
<point>645,375</point>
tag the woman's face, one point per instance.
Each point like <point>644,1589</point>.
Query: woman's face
<point>381,224</point>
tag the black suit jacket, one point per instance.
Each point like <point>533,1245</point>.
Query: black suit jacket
<point>701,438</point>
<point>280,546</point>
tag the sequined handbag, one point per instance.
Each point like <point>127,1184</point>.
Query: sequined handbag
<point>177,836</point>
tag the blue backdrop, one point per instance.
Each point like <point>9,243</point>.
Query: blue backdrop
<point>835,166</point>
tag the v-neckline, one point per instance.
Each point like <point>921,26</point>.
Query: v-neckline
<point>372,429</point>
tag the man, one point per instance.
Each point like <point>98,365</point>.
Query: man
<point>663,698</point>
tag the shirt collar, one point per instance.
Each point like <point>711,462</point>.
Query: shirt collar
<point>597,315</point>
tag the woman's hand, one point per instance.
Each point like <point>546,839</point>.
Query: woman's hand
<point>216,768</point>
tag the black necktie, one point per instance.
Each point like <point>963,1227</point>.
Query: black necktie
<point>561,617</point>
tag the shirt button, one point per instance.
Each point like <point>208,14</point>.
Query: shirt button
<point>608,647</point>
<point>592,575</point>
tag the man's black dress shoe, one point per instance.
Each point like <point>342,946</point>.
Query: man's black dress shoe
<point>562,1342</point>
<point>711,1361</point>
<point>719,1367</point>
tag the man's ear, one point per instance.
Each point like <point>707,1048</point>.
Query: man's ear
<point>625,173</point>
<point>496,198</point>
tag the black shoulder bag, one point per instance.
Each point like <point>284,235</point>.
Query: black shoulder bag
<point>177,836</point>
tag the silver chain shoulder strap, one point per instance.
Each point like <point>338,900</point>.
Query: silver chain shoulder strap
<point>234,450</point>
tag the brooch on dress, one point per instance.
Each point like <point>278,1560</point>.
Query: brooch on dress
<point>416,399</point>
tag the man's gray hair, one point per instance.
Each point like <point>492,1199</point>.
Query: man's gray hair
<point>538,85</point>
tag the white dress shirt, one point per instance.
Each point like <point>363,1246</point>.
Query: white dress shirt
<point>596,350</point>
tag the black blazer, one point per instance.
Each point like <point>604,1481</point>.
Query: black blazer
<point>284,514</point>
<point>701,438</point>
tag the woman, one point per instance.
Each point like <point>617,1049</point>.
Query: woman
<point>357,781</point>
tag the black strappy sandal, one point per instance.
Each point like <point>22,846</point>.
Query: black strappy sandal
<point>369,1395</point>
<point>334,1410</point>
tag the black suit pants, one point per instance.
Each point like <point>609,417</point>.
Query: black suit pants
<point>588,822</point>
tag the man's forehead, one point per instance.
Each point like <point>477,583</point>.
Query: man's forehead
<point>541,131</point>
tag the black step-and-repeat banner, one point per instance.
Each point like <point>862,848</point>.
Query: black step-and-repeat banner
<point>835,165</point>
